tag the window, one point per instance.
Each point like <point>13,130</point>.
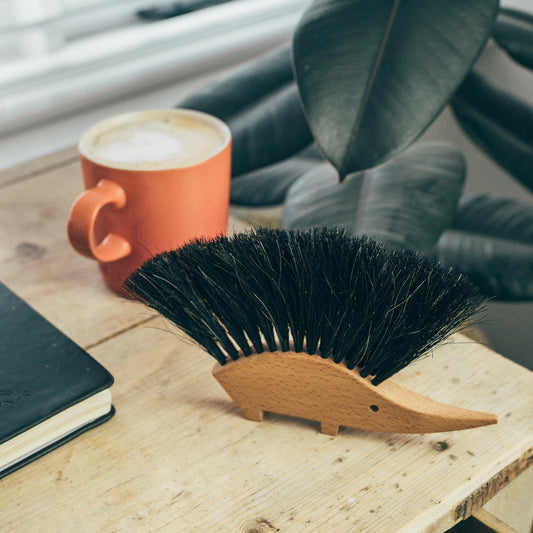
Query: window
<point>60,55</point>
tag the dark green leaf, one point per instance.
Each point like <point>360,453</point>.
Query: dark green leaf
<point>500,217</point>
<point>317,199</point>
<point>412,199</point>
<point>260,103</point>
<point>500,123</point>
<point>491,240</point>
<point>270,131</point>
<point>374,74</point>
<point>243,85</point>
<point>406,203</point>
<point>514,33</point>
<point>268,185</point>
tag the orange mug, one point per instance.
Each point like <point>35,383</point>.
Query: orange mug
<point>154,180</point>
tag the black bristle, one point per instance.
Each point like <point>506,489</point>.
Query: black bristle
<point>321,291</point>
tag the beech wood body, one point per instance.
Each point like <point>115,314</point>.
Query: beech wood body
<point>319,389</point>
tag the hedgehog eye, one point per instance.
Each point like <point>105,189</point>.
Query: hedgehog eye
<point>374,408</point>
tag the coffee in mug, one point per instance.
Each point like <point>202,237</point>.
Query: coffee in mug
<point>156,142</point>
<point>154,180</point>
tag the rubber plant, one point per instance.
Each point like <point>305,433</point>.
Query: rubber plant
<point>326,124</point>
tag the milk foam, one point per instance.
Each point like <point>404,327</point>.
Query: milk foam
<point>153,143</point>
<point>142,144</point>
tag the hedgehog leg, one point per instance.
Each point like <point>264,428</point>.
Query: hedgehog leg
<point>329,428</point>
<point>251,412</point>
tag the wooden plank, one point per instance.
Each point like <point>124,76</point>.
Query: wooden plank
<point>37,261</point>
<point>178,456</point>
<point>268,217</point>
<point>493,522</point>
<point>514,504</point>
<point>37,166</point>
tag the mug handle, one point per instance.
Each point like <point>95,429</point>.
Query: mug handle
<point>82,219</point>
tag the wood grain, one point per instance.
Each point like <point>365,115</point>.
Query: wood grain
<point>493,522</point>
<point>35,167</point>
<point>513,504</point>
<point>179,457</point>
<point>310,387</point>
<point>37,261</point>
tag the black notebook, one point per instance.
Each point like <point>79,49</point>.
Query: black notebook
<point>51,390</point>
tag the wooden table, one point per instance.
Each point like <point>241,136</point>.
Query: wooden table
<point>178,456</point>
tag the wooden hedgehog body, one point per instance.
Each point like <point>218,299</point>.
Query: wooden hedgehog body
<point>318,389</point>
<point>312,324</point>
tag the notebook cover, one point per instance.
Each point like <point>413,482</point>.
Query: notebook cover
<point>42,371</point>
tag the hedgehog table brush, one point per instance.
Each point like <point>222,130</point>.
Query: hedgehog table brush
<point>312,324</point>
